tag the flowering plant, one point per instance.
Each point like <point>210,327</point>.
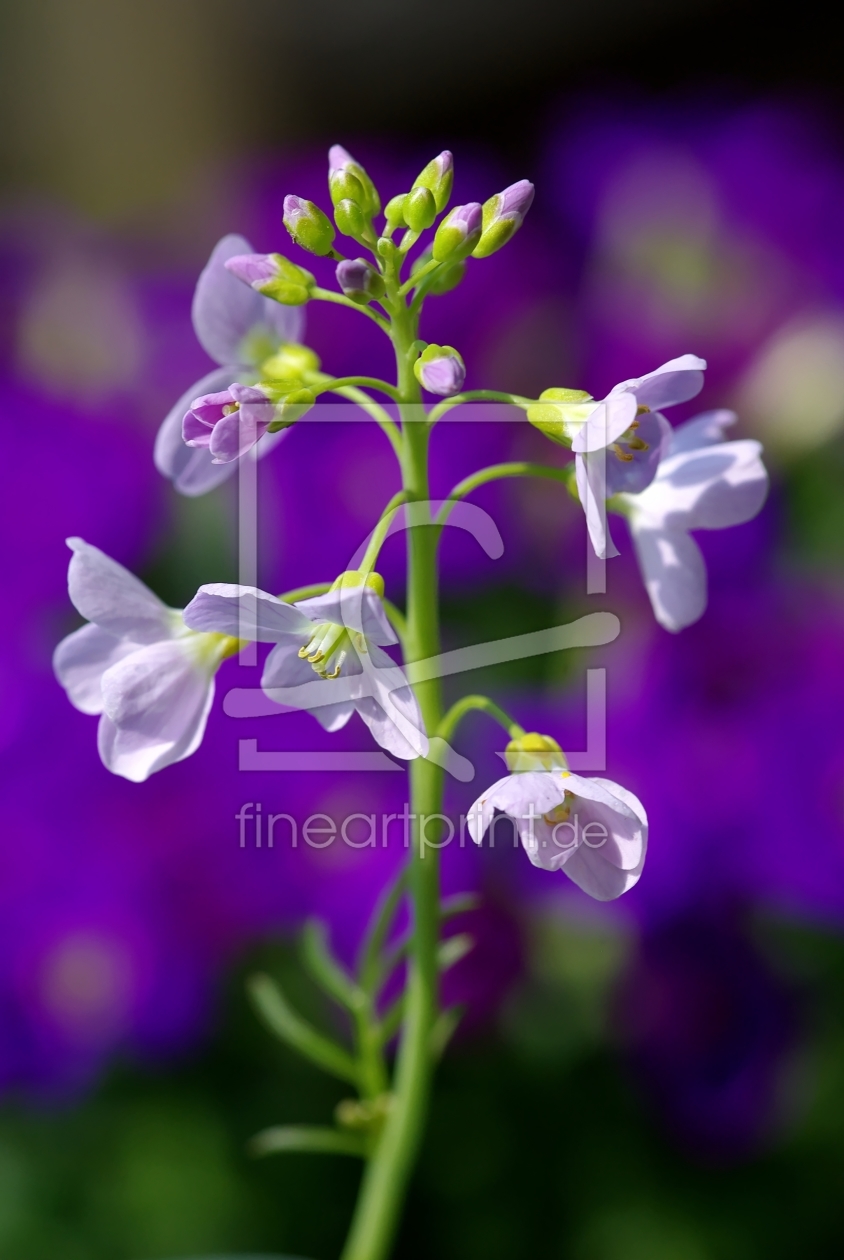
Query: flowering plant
<point>148,670</point>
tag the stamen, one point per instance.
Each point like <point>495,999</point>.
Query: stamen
<point>624,456</point>
<point>642,410</point>
<point>636,444</point>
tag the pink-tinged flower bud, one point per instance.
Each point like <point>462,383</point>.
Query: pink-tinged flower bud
<point>459,232</point>
<point>503,215</point>
<point>308,226</point>
<point>359,280</point>
<point>274,276</point>
<point>347,180</point>
<point>438,176</point>
<point>440,370</point>
<point>228,423</point>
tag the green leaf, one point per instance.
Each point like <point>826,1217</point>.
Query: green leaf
<point>316,1139</point>
<point>326,970</point>
<point>291,1028</point>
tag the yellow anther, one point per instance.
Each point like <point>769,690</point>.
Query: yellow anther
<point>636,444</point>
<point>303,651</point>
<point>641,410</point>
<point>230,409</point>
<point>624,456</point>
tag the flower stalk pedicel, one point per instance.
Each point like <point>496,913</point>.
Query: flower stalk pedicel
<point>148,671</point>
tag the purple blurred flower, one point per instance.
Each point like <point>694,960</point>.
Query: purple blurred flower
<point>239,329</point>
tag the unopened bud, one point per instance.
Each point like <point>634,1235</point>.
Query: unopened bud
<point>394,211</point>
<point>438,175</point>
<point>459,232</point>
<point>440,370</point>
<point>420,209</point>
<point>534,752</point>
<point>503,216</point>
<point>291,363</point>
<point>291,408</point>
<point>386,249</point>
<point>342,170</point>
<point>443,278</point>
<point>308,226</point>
<point>359,280</point>
<point>350,218</point>
<point>274,276</point>
<point>560,413</point>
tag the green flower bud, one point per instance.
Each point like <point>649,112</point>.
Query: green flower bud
<point>291,408</point>
<point>458,233</point>
<point>350,218</point>
<point>281,279</point>
<point>386,249</point>
<point>438,175</point>
<point>292,363</point>
<point>308,226</point>
<point>394,211</point>
<point>342,164</point>
<point>444,278</point>
<point>420,209</point>
<point>534,752</point>
<point>503,216</point>
<point>559,413</point>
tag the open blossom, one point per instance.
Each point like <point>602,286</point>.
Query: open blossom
<point>592,829</point>
<point>239,328</point>
<point>137,665</point>
<point>328,656</point>
<point>702,482</point>
<point>618,444</point>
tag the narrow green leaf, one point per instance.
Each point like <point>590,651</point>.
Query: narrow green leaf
<point>291,1028</point>
<point>326,970</point>
<point>453,949</point>
<point>460,903</point>
<point>444,1030</point>
<point>317,1139</point>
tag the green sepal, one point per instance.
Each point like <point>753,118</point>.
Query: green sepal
<point>440,185</point>
<point>394,211</point>
<point>291,286</point>
<point>350,218</point>
<point>291,408</point>
<point>420,209</point>
<point>314,232</point>
<point>555,411</point>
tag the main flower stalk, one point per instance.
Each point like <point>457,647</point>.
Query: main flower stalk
<point>387,1174</point>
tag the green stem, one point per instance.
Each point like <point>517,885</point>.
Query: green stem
<point>368,382</point>
<point>476,395</point>
<point>379,533</point>
<point>467,704</point>
<point>494,473</point>
<point>305,592</point>
<point>388,1171</point>
<point>325,295</point>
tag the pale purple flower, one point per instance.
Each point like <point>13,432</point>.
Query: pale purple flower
<point>239,329</point>
<point>137,665</point>
<point>619,441</point>
<point>253,269</point>
<point>592,829</point>
<point>328,658</point>
<point>703,482</point>
<point>229,423</point>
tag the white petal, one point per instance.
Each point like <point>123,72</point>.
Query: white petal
<point>333,717</point>
<point>599,878</point>
<point>388,705</point>
<point>284,667</point>
<point>608,421</point>
<point>590,474</point>
<point>707,429</point>
<point>81,659</point>
<point>675,382</point>
<point>357,607</point>
<point>524,797</point>
<point>711,487</point>
<point>156,704</point>
<point>673,572</point>
<point>244,612</point>
<point>191,468</point>
<point>113,598</point>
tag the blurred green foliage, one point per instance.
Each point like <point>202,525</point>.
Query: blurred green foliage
<point>541,1141</point>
